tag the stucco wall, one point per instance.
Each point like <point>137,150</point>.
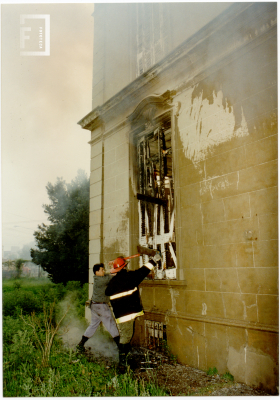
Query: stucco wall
<point>222,310</point>
<point>115,45</point>
<point>225,313</point>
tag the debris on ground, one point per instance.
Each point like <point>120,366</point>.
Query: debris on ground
<point>179,379</point>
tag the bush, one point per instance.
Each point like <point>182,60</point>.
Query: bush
<point>73,285</point>
<point>14,301</point>
<point>11,326</point>
<point>22,348</point>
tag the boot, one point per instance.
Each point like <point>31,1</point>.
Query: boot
<point>127,348</point>
<point>122,355</point>
<point>81,345</point>
<point>124,349</point>
<point>117,341</point>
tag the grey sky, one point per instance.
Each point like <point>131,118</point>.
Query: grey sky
<point>43,98</point>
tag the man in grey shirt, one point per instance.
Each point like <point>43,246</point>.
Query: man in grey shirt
<point>100,311</point>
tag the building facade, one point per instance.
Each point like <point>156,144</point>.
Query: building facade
<point>184,159</point>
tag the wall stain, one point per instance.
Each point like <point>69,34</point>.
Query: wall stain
<point>207,120</point>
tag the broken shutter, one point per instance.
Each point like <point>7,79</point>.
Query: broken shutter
<point>156,199</point>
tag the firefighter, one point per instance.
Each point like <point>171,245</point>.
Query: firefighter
<point>100,311</point>
<point>125,298</point>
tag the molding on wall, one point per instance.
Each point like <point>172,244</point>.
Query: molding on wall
<point>97,137</point>
<point>188,51</point>
<point>163,282</point>
<point>208,320</point>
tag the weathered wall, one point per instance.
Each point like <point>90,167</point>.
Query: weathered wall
<point>222,310</point>
<point>225,313</point>
<point>114,57</point>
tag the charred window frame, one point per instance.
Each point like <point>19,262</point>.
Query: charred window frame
<point>156,207</point>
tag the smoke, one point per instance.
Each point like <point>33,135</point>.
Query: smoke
<point>72,328</point>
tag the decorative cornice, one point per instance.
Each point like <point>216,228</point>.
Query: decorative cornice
<point>147,107</point>
<point>91,120</point>
<point>189,54</point>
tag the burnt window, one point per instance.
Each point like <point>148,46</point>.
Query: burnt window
<point>155,196</point>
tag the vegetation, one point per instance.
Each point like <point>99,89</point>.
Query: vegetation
<point>35,362</point>
<point>227,376</point>
<point>19,264</point>
<point>62,246</point>
<point>165,349</point>
<point>212,371</point>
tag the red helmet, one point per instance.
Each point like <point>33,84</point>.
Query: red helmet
<point>118,264</point>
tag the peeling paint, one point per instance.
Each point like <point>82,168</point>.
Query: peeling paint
<point>204,124</point>
<point>244,310</point>
<point>204,309</point>
<point>173,294</point>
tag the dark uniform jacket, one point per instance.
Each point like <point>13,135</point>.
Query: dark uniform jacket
<point>124,293</point>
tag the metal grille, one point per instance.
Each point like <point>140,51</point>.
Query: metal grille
<point>155,334</point>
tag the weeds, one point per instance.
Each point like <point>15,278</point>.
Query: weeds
<point>167,351</point>
<point>22,348</point>
<point>127,385</point>
<point>212,371</point>
<point>44,331</point>
<point>35,364</point>
<point>227,377</point>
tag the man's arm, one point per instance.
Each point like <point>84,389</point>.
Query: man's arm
<point>141,273</point>
<point>132,279</point>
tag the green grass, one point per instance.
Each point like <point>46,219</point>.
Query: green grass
<point>212,371</point>
<point>68,374</point>
<point>228,377</point>
<point>26,283</point>
<point>73,375</point>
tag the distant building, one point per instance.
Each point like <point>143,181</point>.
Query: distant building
<point>15,249</point>
<point>184,159</point>
<point>29,269</point>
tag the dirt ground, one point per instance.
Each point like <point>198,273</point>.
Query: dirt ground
<point>182,380</point>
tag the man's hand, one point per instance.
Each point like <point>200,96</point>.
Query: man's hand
<point>157,257</point>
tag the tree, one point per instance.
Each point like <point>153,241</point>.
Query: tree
<point>62,246</point>
<point>19,263</point>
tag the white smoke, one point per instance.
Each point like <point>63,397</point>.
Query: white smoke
<point>72,328</point>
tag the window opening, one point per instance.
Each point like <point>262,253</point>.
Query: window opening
<point>156,199</point>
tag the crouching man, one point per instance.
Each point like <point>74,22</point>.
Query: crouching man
<point>100,311</point>
<point>125,298</point>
